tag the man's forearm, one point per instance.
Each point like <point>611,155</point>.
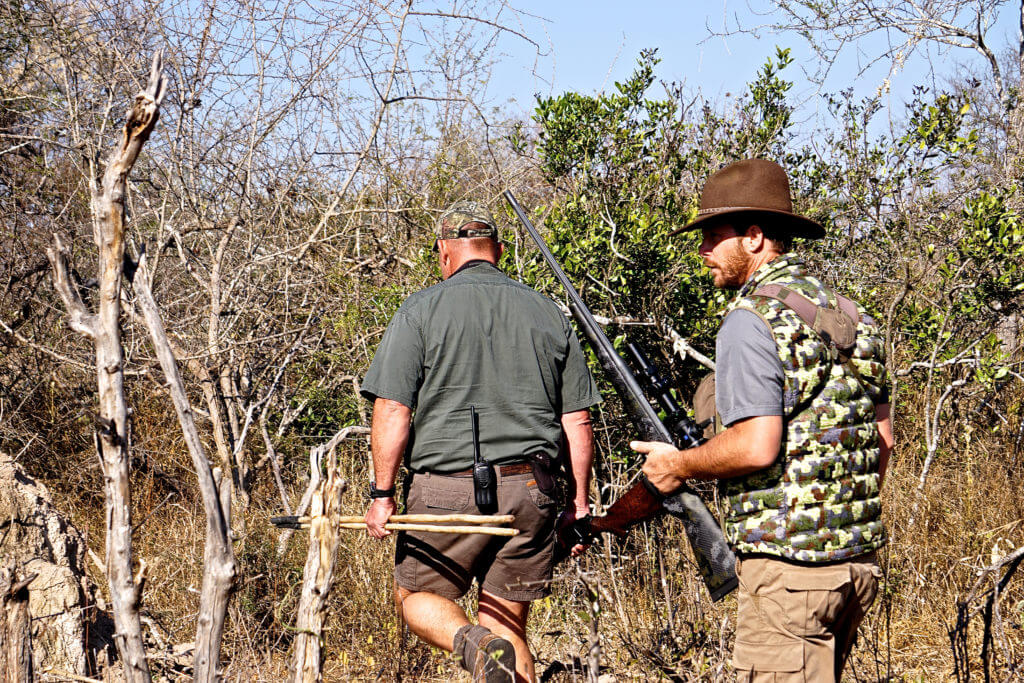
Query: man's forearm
<point>746,446</point>
<point>579,437</point>
<point>885,438</point>
<point>733,453</point>
<point>389,436</point>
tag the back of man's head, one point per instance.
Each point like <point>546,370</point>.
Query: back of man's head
<point>466,231</point>
<point>466,219</point>
<point>476,248</point>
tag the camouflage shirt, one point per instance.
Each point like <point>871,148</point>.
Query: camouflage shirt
<point>819,501</point>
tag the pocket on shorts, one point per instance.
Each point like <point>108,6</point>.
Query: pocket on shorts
<point>445,499</point>
<point>815,600</point>
<point>539,498</point>
<point>750,658</point>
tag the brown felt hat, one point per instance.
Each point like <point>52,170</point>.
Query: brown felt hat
<point>755,186</point>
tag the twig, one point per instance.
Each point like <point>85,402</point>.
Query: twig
<point>682,347</point>
<point>274,465</point>
<point>64,675</point>
<point>605,320</point>
<point>42,349</point>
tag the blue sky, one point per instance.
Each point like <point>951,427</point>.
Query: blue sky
<point>590,45</point>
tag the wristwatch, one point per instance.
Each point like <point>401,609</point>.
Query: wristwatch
<point>381,493</point>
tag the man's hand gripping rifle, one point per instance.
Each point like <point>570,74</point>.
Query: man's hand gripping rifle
<point>643,501</point>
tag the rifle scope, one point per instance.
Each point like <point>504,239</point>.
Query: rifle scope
<point>678,422</point>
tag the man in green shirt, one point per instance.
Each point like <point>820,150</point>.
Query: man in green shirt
<point>477,339</point>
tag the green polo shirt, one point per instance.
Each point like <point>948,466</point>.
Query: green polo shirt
<point>480,339</point>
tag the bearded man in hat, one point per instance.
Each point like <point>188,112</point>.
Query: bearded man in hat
<point>477,340</point>
<point>801,434</point>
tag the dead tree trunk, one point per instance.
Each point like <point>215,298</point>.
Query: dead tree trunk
<point>316,455</point>
<point>318,575</point>
<point>15,627</point>
<point>104,329</point>
<point>218,556</point>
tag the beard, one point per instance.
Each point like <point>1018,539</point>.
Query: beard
<point>729,272</point>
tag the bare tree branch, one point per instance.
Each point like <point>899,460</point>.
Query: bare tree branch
<point>218,556</point>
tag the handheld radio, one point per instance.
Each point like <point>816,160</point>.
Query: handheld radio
<point>485,481</point>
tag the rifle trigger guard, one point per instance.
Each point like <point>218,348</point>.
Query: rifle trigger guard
<point>582,532</point>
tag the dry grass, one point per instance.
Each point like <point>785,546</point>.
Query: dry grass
<point>654,618</point>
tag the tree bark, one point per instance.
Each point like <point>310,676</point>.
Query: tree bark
<point>15,627</point>
<point>104,328</point>
<point>318,575</point>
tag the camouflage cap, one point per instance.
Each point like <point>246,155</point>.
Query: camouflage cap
<point>453,223</point>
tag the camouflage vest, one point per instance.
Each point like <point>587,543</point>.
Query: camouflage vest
<point>819,501</point>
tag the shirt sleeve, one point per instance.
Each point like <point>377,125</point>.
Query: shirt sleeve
<point>578,388</point>
<point>396,372</point>
<point>749,379</point>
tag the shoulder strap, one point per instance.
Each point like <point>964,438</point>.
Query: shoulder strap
<point>848,307</point>
<point>798,303</point>
<point>837,326</point>
<point>804,307</point>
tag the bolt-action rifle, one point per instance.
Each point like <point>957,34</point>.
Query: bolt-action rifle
<point>643,501</point>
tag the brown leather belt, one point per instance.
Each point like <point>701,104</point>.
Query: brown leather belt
<point>505,470</point>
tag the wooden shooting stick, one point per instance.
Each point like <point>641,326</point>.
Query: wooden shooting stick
<point>439,529</point>
<point>430,523</point>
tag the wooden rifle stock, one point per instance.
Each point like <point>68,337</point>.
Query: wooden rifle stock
<point>635,506</point>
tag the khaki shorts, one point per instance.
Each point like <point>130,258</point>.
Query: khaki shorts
<point>799,622</point>
<point>514,568</point>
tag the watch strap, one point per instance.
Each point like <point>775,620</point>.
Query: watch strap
<point>381,493</point>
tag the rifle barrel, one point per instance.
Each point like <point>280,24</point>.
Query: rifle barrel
<point>715,559</point>
<point>615,368</point>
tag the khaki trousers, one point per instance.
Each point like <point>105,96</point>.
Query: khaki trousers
<point>799,622</point>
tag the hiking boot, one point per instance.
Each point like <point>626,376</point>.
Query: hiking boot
<point>490,658</point>
<point>495,661</point>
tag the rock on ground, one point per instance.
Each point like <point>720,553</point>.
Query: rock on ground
<point>40,540</point>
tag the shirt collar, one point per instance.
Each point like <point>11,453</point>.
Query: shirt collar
<point>470,264</point>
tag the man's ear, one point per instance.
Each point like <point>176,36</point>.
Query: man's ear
<point>444,253</point>
<point>753,239</point>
